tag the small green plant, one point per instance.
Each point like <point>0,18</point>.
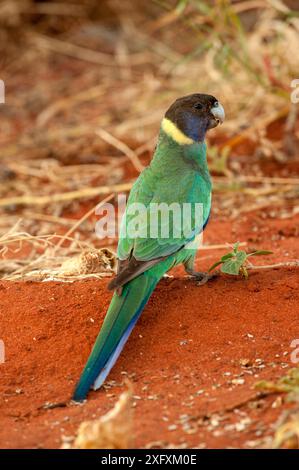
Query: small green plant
<point>236,261</point>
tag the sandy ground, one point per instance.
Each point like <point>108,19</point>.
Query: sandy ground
<point>197,352</point>
<point>186,357</point>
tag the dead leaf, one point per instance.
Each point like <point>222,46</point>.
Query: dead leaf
<point>114,430</point>
<point>287,435</point>
<point>89,262</point>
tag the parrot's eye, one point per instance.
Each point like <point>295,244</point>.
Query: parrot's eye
<point>216,104</point>
<point>198,106</point>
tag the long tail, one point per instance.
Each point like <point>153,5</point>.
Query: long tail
<point>122,315</point>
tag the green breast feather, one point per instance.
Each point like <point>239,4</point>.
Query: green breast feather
<point>177,175</point>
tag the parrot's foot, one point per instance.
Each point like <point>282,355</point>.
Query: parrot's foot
<point>202,277</point>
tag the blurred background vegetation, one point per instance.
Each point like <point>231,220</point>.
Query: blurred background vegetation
<point>87,84</point>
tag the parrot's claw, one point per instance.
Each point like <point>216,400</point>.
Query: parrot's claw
<point>202,277</point>
<point>205,277</point>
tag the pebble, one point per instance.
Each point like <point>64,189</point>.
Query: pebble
<point>238,381</point>
<point>172,427</point>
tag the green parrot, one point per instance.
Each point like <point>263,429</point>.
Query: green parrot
<point>178,175</point>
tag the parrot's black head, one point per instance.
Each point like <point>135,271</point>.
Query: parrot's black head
<point>194,114</point>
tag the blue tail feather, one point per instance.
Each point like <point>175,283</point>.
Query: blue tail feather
<point>120,320</point>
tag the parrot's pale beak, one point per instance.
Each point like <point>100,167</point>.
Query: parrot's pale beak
<point>218,112</point>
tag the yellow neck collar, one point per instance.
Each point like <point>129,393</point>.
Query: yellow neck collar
<point>172,131</point>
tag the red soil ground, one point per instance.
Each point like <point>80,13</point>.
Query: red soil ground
<point>183,356</point>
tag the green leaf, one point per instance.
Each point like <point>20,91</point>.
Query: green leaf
<point>214,266</point>
<point>233,265</point>
<point>235,247</point>
<point>260,253</point>
<point>227,256</point>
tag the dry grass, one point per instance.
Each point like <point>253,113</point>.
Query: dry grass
<point>84,100</point>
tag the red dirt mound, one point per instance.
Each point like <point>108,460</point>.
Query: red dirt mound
<point>185,358</point>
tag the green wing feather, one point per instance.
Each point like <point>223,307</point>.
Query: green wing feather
<point>154,186</point>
